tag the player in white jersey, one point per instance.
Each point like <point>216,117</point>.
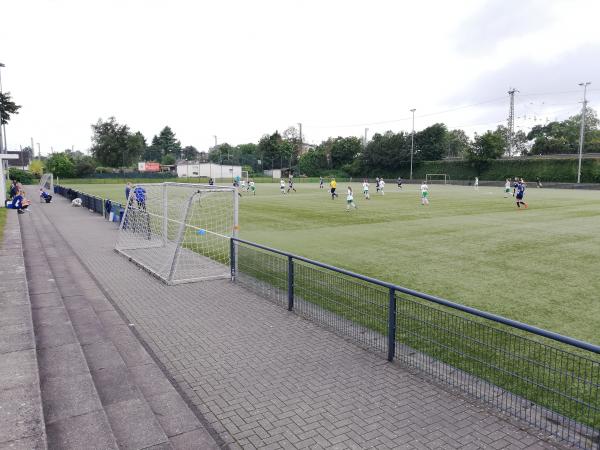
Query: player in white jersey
<point>366,189</point>
<point>476,184</point>
<point>282,186</point>
<point>506,188</point>
<point>381,186</point>
<point>350,200</point>
<point>424,194</point>
<point>252,187</point>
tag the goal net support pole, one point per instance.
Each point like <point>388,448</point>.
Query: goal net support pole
<point>180,232</point>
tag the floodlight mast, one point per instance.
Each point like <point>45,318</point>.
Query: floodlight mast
<point>582,130</point>
<point>412,143</point>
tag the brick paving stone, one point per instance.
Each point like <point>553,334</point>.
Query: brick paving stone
<point>261,375</point>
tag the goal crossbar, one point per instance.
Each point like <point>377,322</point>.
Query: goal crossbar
<point>437,177</point>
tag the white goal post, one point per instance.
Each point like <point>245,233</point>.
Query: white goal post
<point>441,178</point>
<point>245,176</point>
<point>180,232</point>
<point>47,183</point>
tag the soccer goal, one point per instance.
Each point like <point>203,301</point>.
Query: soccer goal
<point>437,178</point>
<point>245,176</point>
<point>47,183</point>
<point>180,232</point>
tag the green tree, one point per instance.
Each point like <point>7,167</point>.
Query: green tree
<point>490,145</point>
<point>114,145</point>
<point>431,142</point>
<point>37,167</point>
<point>269,150</point>
<point>313,162</point>
<point>168,159</point>
<point>563,136</point>
<point>7,107</point>
<point>343,150</point>
<point>457,143</point>
<point>85,166</point>
<point>60,165</point>
<point>189,153</point>
<point>386,152</point>
<point>153,152</point>
<point>167,143</point>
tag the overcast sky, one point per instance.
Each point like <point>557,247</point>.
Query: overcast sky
<point>240,69</point>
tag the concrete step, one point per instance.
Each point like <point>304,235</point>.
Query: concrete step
<point>21,413</point>
<point>142,407</point>
<point>73,413</point>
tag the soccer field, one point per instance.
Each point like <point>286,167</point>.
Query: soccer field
<point>538,265</point>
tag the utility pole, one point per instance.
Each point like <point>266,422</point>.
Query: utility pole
<point>300,131</point>
<point>510,126</point>
<point>39,151</point>
<point>3,131</point>
<point>32,149</point>
<point>412,142</point>
<point>582,130</point>
<point>365,140</point>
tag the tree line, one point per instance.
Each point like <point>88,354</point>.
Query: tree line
<point>115,145</point>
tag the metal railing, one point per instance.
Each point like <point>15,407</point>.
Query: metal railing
<point>549,380</point>
<point>93,203</point>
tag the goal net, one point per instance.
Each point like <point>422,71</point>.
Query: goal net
<point>179,232</point>
<point>47,183</point>
<point>437,178</point>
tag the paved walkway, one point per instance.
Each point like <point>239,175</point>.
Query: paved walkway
<point>263,377</point>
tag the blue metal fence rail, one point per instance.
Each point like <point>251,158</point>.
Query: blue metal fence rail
<point>550,380</point>
<point>93,203</point>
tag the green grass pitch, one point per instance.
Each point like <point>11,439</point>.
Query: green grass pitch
<point>474,247</point>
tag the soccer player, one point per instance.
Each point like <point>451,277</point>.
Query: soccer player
<point>476,184</point>
<point>400,183</point>
<point>140,196</point>
<point>377,184</point>
<point>333,186</point>
<point>366,189</point>
<point>252,187</point>
<point>520,193</point>
<point>291,185</point>
<point>424,194</point>
<point>320,182</point>
<point>350,200</point>
<point>282,186</point>
<point>506,188</point>
<point>243,184</point>
<point>381,186</point>
<point>127,191</point>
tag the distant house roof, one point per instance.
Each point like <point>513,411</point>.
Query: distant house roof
<point>23,160</point>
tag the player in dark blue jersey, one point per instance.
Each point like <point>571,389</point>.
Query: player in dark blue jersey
<point>520,193</point>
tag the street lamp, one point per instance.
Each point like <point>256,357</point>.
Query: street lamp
<point>582,130</point>
<point>412,142</point>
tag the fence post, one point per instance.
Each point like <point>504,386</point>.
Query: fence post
<point>232,257</point>
<point>392,325</point>
<point>290,283</point>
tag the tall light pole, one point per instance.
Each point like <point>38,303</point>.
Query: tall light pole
<point>365,143</point>
<point>412,142</point>
<point>582,131</point>
<point>1,125</point>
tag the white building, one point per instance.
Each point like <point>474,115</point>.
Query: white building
<point>209,170</point>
